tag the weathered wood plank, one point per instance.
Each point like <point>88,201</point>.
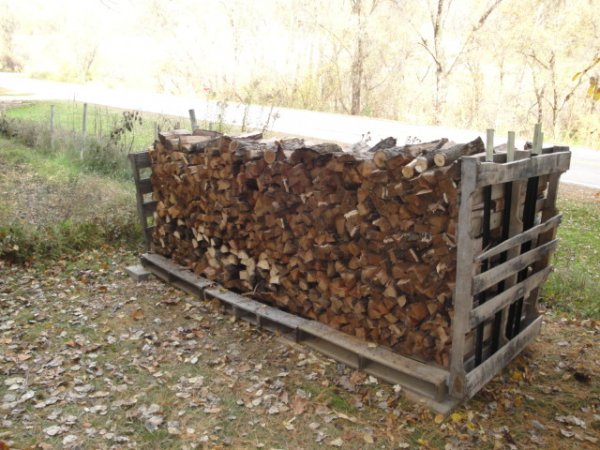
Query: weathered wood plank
<point>477,378</point>
<point>144,186</point>
<point>525,236</point>
<point>379,354</point>
<point>463,299</point>
<point>492,173</point>
<point>519,290</point>
<point>148,208</point>
<point>515,227</point>
<point>141,159</point>
<point>487,279</point>
<point>546,236</point>
<point>176,270</point>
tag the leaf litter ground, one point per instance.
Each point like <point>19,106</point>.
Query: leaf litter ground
<point>91,359</point>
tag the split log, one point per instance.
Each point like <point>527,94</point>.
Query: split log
<point>445,157</point>
<point>346,239</point>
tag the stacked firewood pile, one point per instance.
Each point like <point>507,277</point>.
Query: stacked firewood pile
<point>362,241</point>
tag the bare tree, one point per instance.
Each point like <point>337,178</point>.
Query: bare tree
<point>445,64</point>
<point>549,91</point>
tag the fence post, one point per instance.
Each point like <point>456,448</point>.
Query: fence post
<point>193,119</point>
<point>83,130</point>
<point>51,126</point>
<point>156,130</point>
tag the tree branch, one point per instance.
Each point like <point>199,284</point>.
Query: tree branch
<point>478,26</point>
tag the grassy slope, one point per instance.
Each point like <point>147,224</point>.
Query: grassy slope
<point>49,208</point>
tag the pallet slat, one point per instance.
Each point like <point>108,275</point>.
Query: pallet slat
<point>513,293</point>
<point>463,300</point>
<point>491,173</point>
<point>491,277</point>
<point>149,207</point>
<point>152,260</point>
<point>528,235</point>
<point>140,160</point>
<point>478,377</point>
<point>144,186</point>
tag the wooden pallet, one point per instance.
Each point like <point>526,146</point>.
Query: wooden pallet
<point>497,283</point>
<point>420,382</point>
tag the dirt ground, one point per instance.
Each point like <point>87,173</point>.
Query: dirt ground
<point>92,359</point>
<point>579,193</point>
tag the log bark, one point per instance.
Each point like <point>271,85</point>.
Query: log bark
<point>346,239</point>
<point>445,157</point>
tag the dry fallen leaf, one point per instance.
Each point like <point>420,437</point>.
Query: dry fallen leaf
<point>337,442</point>
<point>53,430</point>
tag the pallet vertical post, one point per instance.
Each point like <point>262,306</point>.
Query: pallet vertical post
<point>515,226</point>
<point>463,300</point>
<point>485,240</point>
<point>193,122</point>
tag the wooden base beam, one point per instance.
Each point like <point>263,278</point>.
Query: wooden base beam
<point>421,382</point>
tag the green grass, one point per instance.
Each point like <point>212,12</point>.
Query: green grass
<point>101,120</point>
<point>56,209</point>
<point>574,287</point>
<point>111,133</point>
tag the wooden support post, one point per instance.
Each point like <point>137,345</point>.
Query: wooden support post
<point>489,145</point>
<point>463,300</point>
<point>193,119</point>
<point>487,211</point>
<point>510,147</point>
<point>550,211</point>
<point>156,130</point>
<point>537,138</point>
<point>529,213</point>
<point>498,335</point>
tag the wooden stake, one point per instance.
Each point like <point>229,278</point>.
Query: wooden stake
<point>536,147</point>
<point>510,147</point>
<point>193,119</point>
<point>489,145</point>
